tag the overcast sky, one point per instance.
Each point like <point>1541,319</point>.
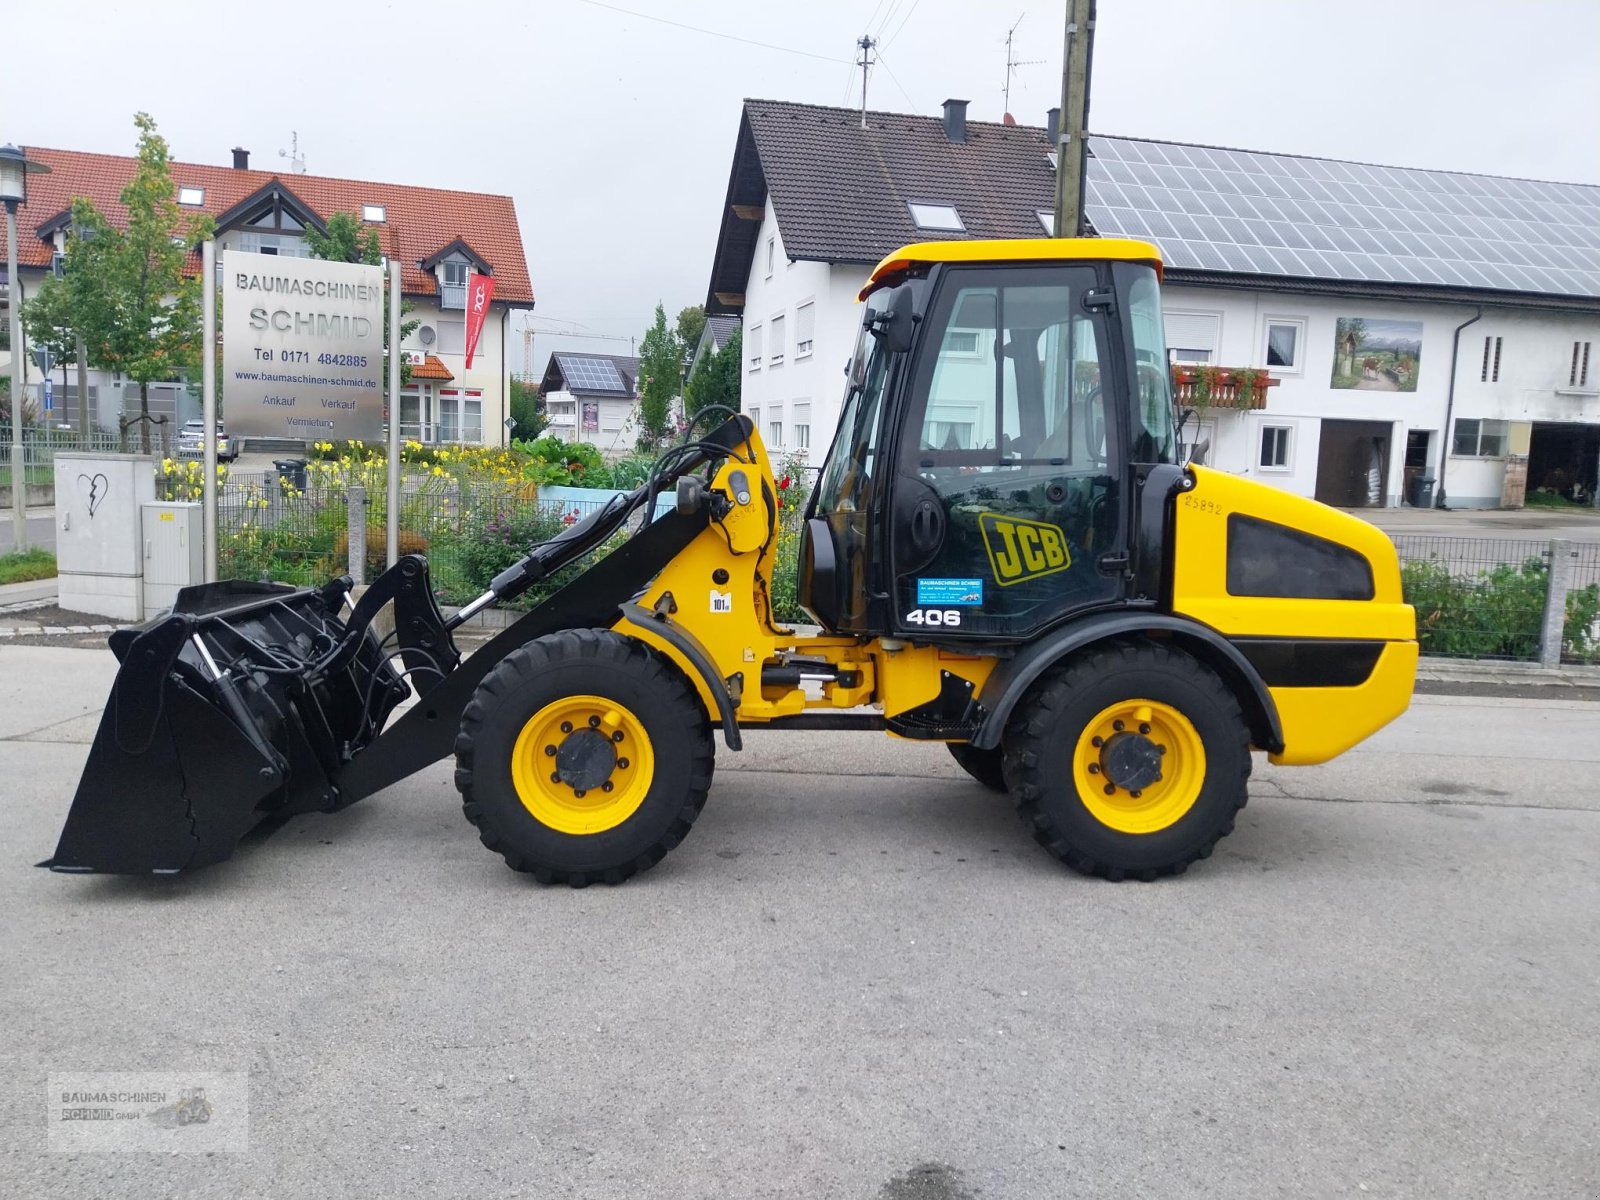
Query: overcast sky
<point>614,133</point>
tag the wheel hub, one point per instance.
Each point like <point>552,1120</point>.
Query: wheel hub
<point>1131,761</point>
<point>585,759</point>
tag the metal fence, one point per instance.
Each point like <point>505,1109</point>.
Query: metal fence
<point>1504,598</point>
<point>41,444</point>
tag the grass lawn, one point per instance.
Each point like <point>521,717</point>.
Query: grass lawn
<point>30,564</point>
<point>35,474</point>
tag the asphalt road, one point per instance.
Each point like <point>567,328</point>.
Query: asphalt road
<point>858,977</point>
<point>41,529</point>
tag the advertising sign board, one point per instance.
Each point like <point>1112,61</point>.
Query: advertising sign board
<point>302,347</point>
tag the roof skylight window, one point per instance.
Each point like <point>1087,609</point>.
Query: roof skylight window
<point>193,196</point>
<point>936,216</point>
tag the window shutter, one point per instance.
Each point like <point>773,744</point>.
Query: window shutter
<point>1192,331</point>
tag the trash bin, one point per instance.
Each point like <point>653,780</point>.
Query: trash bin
<point>291,471</point>
<point>1420,493</point>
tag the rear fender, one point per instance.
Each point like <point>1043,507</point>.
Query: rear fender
<point>1013,677</point>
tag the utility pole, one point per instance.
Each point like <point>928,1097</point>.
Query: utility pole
<point>866,43</point>
<point>1071,147</point>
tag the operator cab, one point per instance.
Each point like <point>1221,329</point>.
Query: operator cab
<point>981,479</point>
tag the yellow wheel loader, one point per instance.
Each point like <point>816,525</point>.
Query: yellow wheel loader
<point>1003,551</point>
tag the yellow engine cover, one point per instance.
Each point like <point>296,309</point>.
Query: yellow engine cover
<point>1262,566</point>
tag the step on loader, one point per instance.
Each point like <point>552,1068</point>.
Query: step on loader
<point>1004,552</point>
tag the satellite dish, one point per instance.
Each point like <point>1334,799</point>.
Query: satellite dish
<point>426,335</point>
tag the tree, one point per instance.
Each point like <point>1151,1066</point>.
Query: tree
<point>140,314</point>
<point>691,324</point>
<point>660,375</point>
<point>527,410</point>
<point>716,378</point>
<point>346,241</point>
<point>50,321</point>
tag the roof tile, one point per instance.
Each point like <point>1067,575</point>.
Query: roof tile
<point>419,220</point>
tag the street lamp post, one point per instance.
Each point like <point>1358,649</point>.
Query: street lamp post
<point>15,167</point>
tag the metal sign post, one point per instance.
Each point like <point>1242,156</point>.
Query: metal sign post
<point>392,523</point>
<point>208,403</point>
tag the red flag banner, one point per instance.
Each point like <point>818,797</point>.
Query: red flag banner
<point>480,294</point>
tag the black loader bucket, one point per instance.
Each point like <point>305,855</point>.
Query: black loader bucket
<point>240,706</point>
<point>252,702</point>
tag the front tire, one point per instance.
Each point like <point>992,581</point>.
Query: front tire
<point>983,765</point>
<point>1130,760</point>
<point>583,757</point>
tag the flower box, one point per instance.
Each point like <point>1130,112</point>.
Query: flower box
<point>1203,386</point>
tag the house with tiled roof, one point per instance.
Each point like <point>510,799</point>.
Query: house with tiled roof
<point>713,338</point>
<point>1419,324</point>
<point>439,236</point>
<point>590,398</point>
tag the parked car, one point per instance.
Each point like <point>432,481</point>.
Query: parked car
<point>192,442</point>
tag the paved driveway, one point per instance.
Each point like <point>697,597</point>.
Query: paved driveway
<point>857,978</point>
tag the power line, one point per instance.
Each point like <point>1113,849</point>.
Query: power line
<point>887,17</point>
<point>882,62</point>
<point>628,12</point>
<point>903,21</point>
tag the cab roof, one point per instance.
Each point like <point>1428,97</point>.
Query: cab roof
<point>1011,250</point>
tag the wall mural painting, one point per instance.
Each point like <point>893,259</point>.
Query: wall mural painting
<point>1371,355</point>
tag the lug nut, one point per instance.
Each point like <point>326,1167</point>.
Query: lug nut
<point>549,751</point>
<point>1117,725</point>
<point>1097,742</point>
<point>555,776</point>
<point>1111,789</point>
<point>1094,768</point>
<point>607,786</point>
<point>617,736</point>
<point>623,763</point>
<point>566,727</point>
<point>1143,728</point>
<point>594,722</point>
<point>1157,779</point>
<point>579,793</point>
<point>1161,749</point>
<point>1135,794</point>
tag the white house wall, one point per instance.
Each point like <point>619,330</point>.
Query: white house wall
<point>1535,360</point>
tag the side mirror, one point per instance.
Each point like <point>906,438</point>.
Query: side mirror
<point>1197,454</point>
<point>1185,415</point>
<point>893,326</point>
<point>901,323</point>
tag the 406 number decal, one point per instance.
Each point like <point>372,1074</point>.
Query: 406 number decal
<point>934,616</point>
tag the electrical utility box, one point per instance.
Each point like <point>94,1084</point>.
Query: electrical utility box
<point>99,538</point>
<point>174,555</point>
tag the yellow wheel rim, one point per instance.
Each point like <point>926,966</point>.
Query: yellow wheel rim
<point>1139,766</point>
<point>582,764</point>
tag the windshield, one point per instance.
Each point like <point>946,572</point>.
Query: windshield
<point>846,481</point>
<point>1155,437</point>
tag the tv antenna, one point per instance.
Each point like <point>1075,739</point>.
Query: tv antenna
<point>297,161</point>
<point>1012,64</point>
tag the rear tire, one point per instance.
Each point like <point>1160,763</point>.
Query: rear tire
<point>632,747</point>
<point>982,765</point>
<point>1145,716</point>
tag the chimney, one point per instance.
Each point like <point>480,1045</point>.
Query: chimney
<point>241,159</point>
<point>955,120</point>
<point>1052,127</point>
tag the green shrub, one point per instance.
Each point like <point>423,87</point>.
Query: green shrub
<point>1498,614</point>
<point>793,493</point>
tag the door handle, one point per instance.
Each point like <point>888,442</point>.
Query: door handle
<point>927,526</point>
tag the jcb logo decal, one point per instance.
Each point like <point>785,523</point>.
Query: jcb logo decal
<point>1020,550</point>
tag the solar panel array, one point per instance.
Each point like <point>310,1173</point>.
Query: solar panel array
<point>591,374</point>
<point>1267,214</point>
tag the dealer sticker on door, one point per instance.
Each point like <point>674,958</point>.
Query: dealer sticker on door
<point>950,591</point>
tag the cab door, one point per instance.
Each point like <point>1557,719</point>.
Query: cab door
<point>1007,506</point>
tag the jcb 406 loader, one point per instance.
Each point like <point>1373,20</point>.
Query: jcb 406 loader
<point>1004,554</point>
